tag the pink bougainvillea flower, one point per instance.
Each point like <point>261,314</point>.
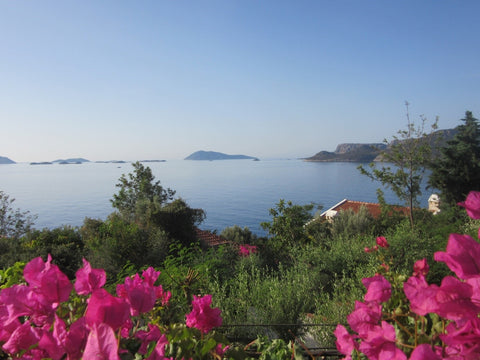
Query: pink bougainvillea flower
<point>463,340</point>
<point>472,204</point>
<point>462,256</point>
<point>380,344</point>
<point>6,329</point>
<point>76,339</point>
<point>22,300</point>
<point>345,342</point>
<point>53,342</point>
<point>138,293</point>
<point>153,334</point>
<point>378,288</point>
<point>420,267</point>
<point>141,293</point>
<point>474,282</point>
<point>163,295</point>
<point>454,300</point>
<point>421,295</point>
<point>202,316</point>
<point>150,275</point>
<point>105,308</point>
<point>22,338</point>
<point>126,327</point>
<point>364,317</point>
<point>424,352</point>
<point>47,279</point>
<point>220,350</point>
<point>247,250</point>
<point>101,343</point>
<point>382,242</point>
<point>159,352</point>
<point>88,279</point>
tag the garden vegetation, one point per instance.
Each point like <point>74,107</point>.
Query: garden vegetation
<point>173,297</point>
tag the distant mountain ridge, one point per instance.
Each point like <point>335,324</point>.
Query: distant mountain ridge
<point>350,152</point>
<point>367,152</point>
<point>213,155</point>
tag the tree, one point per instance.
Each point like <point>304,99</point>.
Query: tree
<point>287,228</point>
<point>238,235</point>
<point>139,194</point>
<point>457,170</point>
<point>13,222</point>
<point>410,154</point>
<point>144,202</point>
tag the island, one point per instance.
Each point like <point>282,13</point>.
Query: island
<point>213,155</point>
<point>41,163</point>
<point>111,162</point>
<point>71,161</point>
<point>6,160</point>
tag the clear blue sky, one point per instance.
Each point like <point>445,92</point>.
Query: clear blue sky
<point>156,79</point>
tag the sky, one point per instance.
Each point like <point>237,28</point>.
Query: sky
<point>136,80</point>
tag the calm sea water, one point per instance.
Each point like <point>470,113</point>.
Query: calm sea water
<point>232,192</point>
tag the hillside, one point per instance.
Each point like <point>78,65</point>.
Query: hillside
<point>213,155</point>
<point>350,153</point>
<point>354,152</point>
<point>5,160</point>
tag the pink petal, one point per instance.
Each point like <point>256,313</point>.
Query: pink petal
<point>101,343</point>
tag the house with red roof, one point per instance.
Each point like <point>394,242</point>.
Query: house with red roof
<point>210,239</point>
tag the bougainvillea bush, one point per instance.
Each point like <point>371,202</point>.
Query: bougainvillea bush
<point>48,317</point>
<point>404,318</point>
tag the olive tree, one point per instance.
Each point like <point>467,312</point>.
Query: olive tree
<point>140,194</point>
<point>405,161</point>
<point>13,222</point>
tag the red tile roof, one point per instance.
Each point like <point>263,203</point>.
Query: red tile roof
<point>210,239</point>
<point>373,208</point>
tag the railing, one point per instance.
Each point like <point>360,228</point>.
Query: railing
<point>324,351</point>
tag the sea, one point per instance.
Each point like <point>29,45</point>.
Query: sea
<point>231,192</point>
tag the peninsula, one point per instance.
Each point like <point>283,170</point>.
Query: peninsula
<point>213,155</point>
<point>350,153</point>
<point>6,160</point>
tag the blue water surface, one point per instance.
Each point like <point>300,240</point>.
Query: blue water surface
<point>232,192</point>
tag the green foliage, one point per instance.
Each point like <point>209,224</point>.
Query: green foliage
<point>238,235</point>
<point>457,171</point>
<point>64,244</point>
<point>350,223</point>
<point>178,220</point>
<point>139,194</point>
<point>288,221</point>
<point>408,156</point>
<point>115,242</point>
<point>276,349</point>
<point>13,222</point>
<point>12,275</point>
<point>258,296</point>
<point>287,229</point>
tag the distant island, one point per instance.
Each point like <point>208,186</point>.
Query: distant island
<point>111,162</point>
<point>213,155</point>
<point>71,161</point>
<point>42,163</point>
<point>5,160</point>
